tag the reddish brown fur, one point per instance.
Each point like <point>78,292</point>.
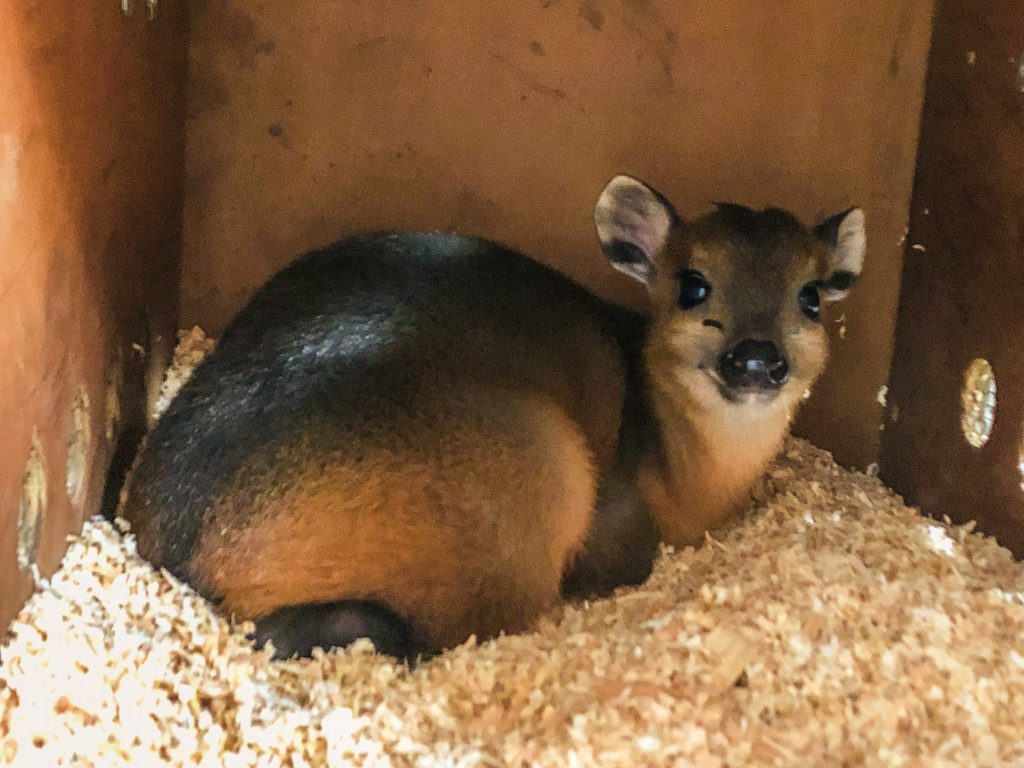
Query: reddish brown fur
<point>713,452</point>
<point>421,537</point>
<point>514,477</point>
<point>461,513</point>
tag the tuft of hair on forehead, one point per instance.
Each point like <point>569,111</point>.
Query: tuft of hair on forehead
<point>755,226</point>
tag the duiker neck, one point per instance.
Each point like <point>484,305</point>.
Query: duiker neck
<point>710,455</point>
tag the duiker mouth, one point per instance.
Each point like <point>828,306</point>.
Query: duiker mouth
<point>743,395</point>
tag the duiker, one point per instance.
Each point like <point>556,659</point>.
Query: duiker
<point>418,438</point>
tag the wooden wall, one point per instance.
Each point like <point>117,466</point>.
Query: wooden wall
<point>308,120</point>
<point>963,285</point>
<point>91,146</point>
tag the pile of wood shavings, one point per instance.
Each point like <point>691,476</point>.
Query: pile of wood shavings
<point>193,346</point>
<point>830,626</point>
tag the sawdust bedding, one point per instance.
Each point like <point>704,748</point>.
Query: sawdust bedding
<point>830,626</point>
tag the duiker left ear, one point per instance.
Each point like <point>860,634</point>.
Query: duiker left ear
<point>845,236</point>
<point>633,222</point>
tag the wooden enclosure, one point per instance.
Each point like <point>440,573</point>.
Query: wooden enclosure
<point>91,146</point>
<point>154,171</point>
<point>963,281</point>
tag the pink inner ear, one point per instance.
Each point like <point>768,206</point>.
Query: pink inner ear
<point>630,212</point>
<point>645,218</point>
<point>636,226</point>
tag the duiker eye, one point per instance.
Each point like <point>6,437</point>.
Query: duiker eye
<point>810,301</point>
<point>694,289</point>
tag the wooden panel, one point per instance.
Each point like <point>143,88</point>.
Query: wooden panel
<point>963,285</point>
<point>308,120</point>
<point>91,146</point>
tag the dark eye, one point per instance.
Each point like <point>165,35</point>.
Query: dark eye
<point>694,289</point>
<point>810,301</point>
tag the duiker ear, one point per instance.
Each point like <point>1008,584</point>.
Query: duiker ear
<point>633,222</point>
<point>845,236</point>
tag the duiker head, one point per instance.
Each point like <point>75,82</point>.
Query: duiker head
<point>736,295</point>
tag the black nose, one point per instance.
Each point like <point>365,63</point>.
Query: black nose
<point>754,364</point>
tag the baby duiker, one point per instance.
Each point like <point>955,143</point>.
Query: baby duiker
<point>418,437</point>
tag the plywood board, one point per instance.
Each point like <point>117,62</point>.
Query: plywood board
<point>91,147</point>
<point>963,285</point>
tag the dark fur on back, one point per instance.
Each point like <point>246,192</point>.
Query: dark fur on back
<point>335,345</point>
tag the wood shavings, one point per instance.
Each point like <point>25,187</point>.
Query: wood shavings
<point>881,397</point>
<point>830,625</point>
<point>193,346</point>
<point>841,323</point>
<point>733,653</point>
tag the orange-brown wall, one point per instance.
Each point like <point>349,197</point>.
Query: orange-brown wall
<point>308,120</point>
<point>91,146</point>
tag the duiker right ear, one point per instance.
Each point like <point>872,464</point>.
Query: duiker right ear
<point>633,222</point>
<point>844,235</point>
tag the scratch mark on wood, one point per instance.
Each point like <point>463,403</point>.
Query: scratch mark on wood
<point>533,83</point>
